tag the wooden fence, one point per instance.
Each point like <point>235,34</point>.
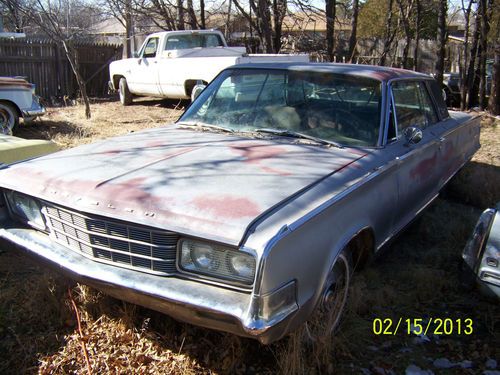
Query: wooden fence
<point>44,63</point>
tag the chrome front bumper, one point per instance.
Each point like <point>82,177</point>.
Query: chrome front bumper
<point>185,300</point>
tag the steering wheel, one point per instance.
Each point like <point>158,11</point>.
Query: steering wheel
<point>350,122</point>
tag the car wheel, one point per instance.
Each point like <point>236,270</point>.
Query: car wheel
<point>125,94</point>
<point>326,318</point>
<point>8,118</point>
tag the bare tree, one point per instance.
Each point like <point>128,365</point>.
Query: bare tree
<point>262,22</point>
<point>15,19</point>
<point>330,8</point>
<point>494,102</point>
<point>353,39</point>
<point>404,14</point>
<point>54,20</point>
<point>389,34</point>
<point>122,11</point>
<point>202,15</point>
<point>193,22</point>
<point>485,7</point>
<point>470,79</point>
<point>441,40</point>
<point>418,25</point>
<point>464,63</point>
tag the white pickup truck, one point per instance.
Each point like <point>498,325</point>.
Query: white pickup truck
<point>169,64</point>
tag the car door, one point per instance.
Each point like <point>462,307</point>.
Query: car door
<point>144,74</point>
<point>418,161</point>
<point>458,141</point>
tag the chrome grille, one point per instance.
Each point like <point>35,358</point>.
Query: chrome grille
<point>113,241</point>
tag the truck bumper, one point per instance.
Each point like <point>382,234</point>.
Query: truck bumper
<point>111,87</point>
<point>185,300</point>
<point>36,109</point>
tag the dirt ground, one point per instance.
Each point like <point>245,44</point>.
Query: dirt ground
<point>415,277</point>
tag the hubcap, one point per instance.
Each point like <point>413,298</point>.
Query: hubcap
<point>333,301</point>
<point>4,122</point>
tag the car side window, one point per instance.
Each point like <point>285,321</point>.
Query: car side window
<point>413,105</point>
<point>150,48</point>
<point>439,99</point>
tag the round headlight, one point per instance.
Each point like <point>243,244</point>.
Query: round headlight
<point>26,208</point>
<point>203,257</point>
<point>242,265</point>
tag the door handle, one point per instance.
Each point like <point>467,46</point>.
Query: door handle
<point>441,141</point>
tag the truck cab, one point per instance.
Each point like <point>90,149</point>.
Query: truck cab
<point>169,64</point>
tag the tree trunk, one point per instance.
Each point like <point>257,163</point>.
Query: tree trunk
<point>128,29</point>
<point>193,22</point>
<point>389,35</point>
<point>494,103</point>
<point>441,41</point>
<point>228,20</point>
<point>70,54</point>
<point>202,14</point>
<point>470,78</point>
<point>330,6</point>
<point>485,28</point>
<point>264,22</point>
<point>180,15</point>
<point>406,27</point>
<point>353,39</point>
<point>464,65</point>
<point>418,22</point>
<point>279,10</point>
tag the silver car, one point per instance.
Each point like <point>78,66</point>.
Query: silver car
<point>249,214</point>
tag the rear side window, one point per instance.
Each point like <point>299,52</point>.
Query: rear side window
<point>186,41</point>
<point>413,105</point>
<point>437,94</point>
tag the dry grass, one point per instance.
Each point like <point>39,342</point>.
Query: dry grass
<point>69,127</point>
<point>416,277</point>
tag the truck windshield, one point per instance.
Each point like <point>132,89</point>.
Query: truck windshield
<point>334,107</point>
<point>185,41</point>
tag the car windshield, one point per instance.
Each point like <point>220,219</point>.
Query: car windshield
<point>333,107</point>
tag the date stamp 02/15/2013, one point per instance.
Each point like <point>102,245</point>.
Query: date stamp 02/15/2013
<point>421,326</point>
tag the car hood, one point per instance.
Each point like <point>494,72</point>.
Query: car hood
<point>204,184</point>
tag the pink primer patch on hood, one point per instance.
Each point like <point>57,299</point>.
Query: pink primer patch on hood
<point>228,206</point>
<point>256,153</point>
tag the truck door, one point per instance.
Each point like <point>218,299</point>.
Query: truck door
<point>144,73</point>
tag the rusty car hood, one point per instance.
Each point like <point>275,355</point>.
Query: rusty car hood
<point>203,184</point>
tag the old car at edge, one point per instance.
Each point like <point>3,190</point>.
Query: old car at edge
<point>249,214</point>
<point>17,100</point>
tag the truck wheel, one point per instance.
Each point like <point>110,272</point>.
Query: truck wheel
<point>9,118</point>
<point>125,95</point>
<point>328,314</point>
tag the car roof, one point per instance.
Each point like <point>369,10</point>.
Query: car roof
<point>380,73</point>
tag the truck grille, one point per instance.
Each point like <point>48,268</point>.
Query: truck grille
<point>114,241</point>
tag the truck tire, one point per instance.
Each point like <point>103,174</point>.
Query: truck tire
<point>125,95</point>
<point>9,118</point>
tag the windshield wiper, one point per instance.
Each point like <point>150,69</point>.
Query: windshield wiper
<point>289,133</point>
<point>202,125</point>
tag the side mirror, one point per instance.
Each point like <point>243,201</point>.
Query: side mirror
<point>135,54</point>
<point>412,135</point>
<point>197,89</point>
